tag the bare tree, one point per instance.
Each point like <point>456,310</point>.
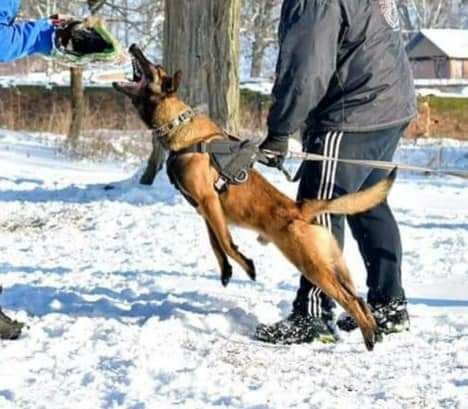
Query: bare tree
<point>138,21</point>
<point>259,26</point>
<point>420,14</point>
<point>95,5</point>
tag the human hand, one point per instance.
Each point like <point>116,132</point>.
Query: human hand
<point>275,150</point>
<point>58,19</point>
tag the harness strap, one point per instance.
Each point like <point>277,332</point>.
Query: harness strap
<point>232,159</point>
<point>220,146</point>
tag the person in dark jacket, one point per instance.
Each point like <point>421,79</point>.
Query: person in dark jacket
<point>344,80</point>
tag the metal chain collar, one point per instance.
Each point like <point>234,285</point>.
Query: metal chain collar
<point>170,127</point>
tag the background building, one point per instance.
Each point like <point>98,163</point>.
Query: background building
<point>439,54</point>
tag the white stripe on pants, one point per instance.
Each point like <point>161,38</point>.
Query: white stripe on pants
<point>325,191</point>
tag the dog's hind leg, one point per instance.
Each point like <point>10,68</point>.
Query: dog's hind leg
<point>329,282</point>
<point>354,304</point>
<point>226,268</point>
<point>211,209</point>
<point>315,253</point>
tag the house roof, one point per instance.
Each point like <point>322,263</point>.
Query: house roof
<point>439,42</point>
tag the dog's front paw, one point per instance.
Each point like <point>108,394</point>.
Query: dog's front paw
<point>226,275</point>
<point>251,270</point>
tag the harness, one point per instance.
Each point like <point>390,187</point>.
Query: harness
<point>232,158</point>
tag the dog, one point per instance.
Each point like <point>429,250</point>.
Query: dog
<point>256,204</point>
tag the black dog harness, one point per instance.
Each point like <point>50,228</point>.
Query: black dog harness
<point>233,159</point>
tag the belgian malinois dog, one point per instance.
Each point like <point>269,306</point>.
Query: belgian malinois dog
<point>255,204</point>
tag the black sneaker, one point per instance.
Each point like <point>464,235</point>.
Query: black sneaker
<point>9,329</point>
<point>296,329</point>
<point>391,318</point>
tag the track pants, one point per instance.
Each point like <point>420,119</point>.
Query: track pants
<point>375,231</point>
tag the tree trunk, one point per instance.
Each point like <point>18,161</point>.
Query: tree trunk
<point>258,52</point>
<point>76,88</point>
<point>77,104</point>
<point>201,38</point>
<point>258,44</point>
<point>155,163</point>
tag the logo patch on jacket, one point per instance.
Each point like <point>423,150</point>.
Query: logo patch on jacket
<point>390,12</point>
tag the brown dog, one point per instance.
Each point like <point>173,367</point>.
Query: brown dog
<point>255,204</point>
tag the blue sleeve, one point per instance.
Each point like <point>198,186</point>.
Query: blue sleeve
<point>25,38</point>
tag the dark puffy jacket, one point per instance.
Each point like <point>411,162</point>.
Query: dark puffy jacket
<point>25,38</point>
<point>342,66</point>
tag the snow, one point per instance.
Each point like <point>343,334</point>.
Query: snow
<point>434,92</point>
<point>261,85</point>
<point>92,77</point>
<point>103,78</point>
<point>122,295</point>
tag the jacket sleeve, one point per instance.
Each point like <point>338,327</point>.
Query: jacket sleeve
<point>25,38</point>
<point>309,36</point>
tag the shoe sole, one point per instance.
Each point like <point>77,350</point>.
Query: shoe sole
<point>324,339</point>
<point>11,336</point>
<point>397,329</point>
<point>327,339</point>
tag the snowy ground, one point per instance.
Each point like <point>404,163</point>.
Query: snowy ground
<point>122,295</point>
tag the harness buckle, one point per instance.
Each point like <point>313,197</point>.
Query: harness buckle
<point>220,184</point>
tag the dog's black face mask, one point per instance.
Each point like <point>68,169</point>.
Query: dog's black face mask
<point>149,86</point>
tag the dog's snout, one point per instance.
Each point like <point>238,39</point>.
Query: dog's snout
<point>133,48</point>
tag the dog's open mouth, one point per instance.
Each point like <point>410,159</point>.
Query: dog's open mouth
<point>141,73</point>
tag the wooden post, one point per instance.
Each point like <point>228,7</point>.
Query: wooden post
<point>77,104</point>
<point>76,88</point>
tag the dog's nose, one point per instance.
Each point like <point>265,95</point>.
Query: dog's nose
<point>133,48</point>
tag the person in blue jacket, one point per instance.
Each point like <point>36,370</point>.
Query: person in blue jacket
<point>21,39</point>
<point>64,38</point>
<point>18,40</point>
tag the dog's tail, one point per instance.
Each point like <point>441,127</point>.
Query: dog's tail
<point>352,203</point>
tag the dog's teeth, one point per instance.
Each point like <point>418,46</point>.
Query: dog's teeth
<point>137,73</point>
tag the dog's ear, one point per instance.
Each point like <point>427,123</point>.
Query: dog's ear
<point>176,80</point>
<point>171,85</point>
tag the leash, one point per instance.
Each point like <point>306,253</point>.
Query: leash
<point>189,113</point>
<point>376,164</point>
